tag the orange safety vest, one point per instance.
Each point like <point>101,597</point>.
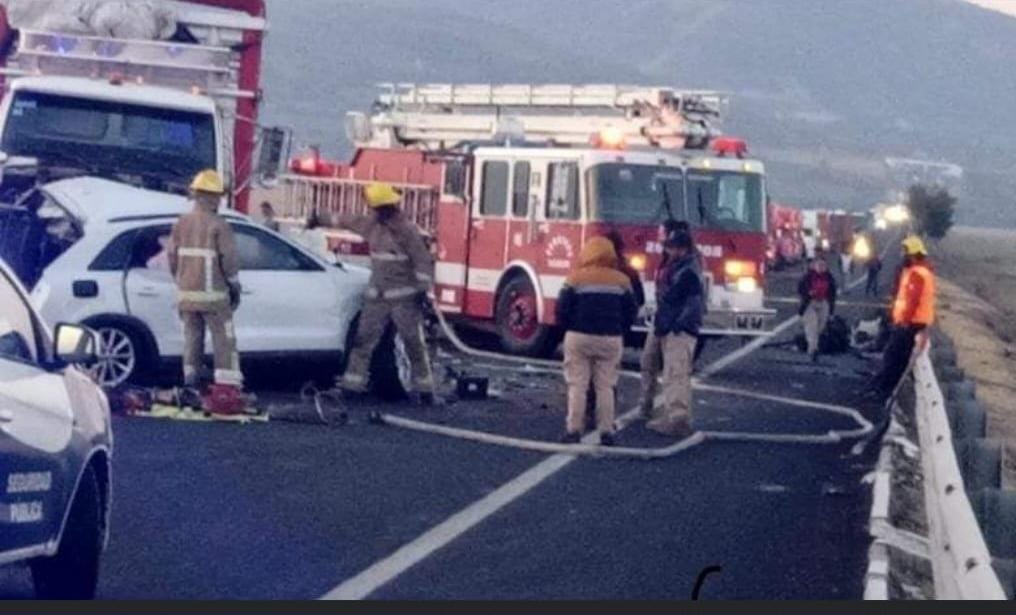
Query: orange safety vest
<point>924,314</point>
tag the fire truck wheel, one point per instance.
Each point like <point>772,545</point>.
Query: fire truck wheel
<point>518,320</point>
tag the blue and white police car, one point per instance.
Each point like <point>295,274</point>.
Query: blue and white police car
<point>55,450</point>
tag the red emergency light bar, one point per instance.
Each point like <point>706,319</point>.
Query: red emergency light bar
<point>311,164</point>
<point>724,146</point>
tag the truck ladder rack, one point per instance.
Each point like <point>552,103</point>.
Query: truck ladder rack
<point>180,65</point>
<point>439,116</point>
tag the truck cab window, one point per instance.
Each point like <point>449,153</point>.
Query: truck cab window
<point>520,191</point>
<point>120,141</point>
<point>563,191</point>
<point>494,200</point>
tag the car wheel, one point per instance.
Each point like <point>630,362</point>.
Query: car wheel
<point>120,355</point>
<point>73,573</point>
<point>390,368</point>
<point>518,320</point>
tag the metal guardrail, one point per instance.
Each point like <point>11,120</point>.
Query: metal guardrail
<point>960,559</point>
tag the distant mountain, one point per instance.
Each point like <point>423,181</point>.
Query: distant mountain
<point>824,89</point>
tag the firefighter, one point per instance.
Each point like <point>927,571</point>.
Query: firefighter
<point>677,325</point>
<point>203,259</point>
<point>596,308</point>
<point>402,275</point>
<point>817,290</point>
<point>913,312</point>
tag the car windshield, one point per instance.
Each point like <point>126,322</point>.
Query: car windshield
<point>636,194</point>
<point>726,200</point>
<point>109,138</point>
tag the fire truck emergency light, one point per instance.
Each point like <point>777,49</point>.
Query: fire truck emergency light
<point>307,163</point>
<point>723,146</point>
<point>609,138</point>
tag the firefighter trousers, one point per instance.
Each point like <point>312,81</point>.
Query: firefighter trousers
<point>408,319</point>
<point>678,359</point>
<point>592,359</point>
<point>227,360</point>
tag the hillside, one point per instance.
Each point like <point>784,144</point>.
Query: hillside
<point>819,85</point>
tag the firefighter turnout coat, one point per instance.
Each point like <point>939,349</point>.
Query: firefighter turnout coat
<point>204,261</point>
<point>401,265</point>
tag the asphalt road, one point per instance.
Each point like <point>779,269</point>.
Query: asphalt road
<point>296,509</point>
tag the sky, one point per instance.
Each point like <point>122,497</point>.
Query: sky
<point>1003,6</point>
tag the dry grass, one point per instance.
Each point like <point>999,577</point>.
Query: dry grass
<point>978,311</point>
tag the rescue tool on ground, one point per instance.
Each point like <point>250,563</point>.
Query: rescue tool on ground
<point>508,181</point>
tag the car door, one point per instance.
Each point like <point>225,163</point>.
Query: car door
<point>151,290</point>
<point>36,425</point>
<point>290,301</point>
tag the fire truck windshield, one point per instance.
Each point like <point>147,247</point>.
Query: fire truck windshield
<point>636,194</point>
<point>726,200</point>
<point>110,137</point>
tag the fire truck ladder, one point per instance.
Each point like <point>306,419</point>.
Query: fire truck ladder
<point>326,197</point>
<point>201,68</point>
<point>442,116</point>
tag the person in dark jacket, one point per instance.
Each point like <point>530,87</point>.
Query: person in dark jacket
<point>596,308</point>
<point>677,325</point>
<point>817,290</point>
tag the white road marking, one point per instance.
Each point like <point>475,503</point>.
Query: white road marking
<point>388,569</point>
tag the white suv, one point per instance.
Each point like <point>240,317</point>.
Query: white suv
<point>97,256</point>
<point>55,451</point>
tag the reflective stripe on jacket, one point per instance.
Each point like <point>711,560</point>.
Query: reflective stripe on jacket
<point>915,297</point>
<point>203,259</point>
<point>401,265</point>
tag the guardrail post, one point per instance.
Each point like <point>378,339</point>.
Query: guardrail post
<point>980,463</point>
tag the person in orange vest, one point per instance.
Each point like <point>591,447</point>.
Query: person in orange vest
<point>913,312</point>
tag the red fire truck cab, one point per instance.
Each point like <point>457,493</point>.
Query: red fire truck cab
<point>508,203</point>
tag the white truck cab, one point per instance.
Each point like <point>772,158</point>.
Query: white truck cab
<point>150,136</point>
<point>150,113</point>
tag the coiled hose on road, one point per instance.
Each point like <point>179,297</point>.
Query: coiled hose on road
<point>588,448</point>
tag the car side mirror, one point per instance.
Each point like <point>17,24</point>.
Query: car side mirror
<point>274,146</point>
<point>75,345</point>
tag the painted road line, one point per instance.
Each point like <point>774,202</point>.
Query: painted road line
<point>386,570</point>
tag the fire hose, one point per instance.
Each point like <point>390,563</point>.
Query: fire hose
<point>587,448</point>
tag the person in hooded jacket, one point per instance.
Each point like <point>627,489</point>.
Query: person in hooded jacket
<point>596,308</point>
<point>677,325</point>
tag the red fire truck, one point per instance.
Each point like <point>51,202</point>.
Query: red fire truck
<point>510,181</point>
<point>786,242</point>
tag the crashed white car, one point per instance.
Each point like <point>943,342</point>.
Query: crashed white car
<point>93,251</point>
<point>55,449</point>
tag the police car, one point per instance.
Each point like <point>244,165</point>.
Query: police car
<point>55,448</point>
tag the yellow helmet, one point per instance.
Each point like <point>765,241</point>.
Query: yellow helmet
<point>382,195</point>
<point>208,181</point>
<point>914,246</point>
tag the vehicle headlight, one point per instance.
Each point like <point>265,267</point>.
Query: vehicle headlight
<point>747,285</point>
